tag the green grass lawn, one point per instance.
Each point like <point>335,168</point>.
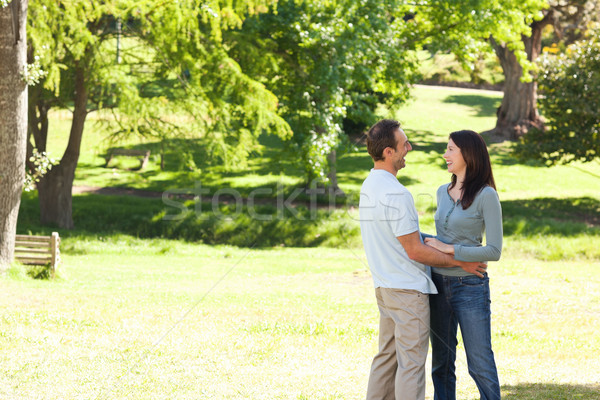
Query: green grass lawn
<point>136,316</point>
<point>148,319</point>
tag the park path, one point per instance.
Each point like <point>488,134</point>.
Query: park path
<point>460,88</point>
<point>116,191</point>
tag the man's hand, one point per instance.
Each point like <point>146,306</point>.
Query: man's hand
<point>477,268</point>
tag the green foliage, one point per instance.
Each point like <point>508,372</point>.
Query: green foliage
<point>570,84</point>
<point>41,163</point>
<point>194,88</point>
<point>172,76</point>
<point>39,271</point>
<point>332,63</point>
<point>33,73</point>
<point>328,62</point>
<point>464,27</point>
<point>63,34</point>
<point>21,272</point>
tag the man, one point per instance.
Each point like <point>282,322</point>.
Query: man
<point>396,255</point>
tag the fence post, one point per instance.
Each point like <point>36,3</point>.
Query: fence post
<point>55,252</point>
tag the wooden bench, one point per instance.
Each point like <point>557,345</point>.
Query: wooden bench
<point>38,250</point>
<point>143,155</point>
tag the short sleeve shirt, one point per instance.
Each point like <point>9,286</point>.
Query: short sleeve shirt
<point>387,211</point>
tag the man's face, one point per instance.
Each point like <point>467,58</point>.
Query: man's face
<point>402,148</point>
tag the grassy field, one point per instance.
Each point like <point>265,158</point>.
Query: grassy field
<point>135,316</point>
<point>156,319</point>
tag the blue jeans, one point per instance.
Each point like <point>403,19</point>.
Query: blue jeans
<point>463,301</point>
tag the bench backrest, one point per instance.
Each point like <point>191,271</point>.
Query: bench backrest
<point>38,250</point>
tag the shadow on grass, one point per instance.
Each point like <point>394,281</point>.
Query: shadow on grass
<point>546,215</point>
<point>266,223</point>
<point>546,391</point>
<point>503,153</point>
<point>483,105</point>
<point>427,141</point>
<point>430,145</point>
<point>256,225</point>
<point>187,161</point>
<point>180,153</point>
<point>273,163</point>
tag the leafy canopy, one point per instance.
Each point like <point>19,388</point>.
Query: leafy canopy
<point>174,77</point>
<point>332,63</point>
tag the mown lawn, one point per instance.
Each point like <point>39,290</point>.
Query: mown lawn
<point>136,316</point>
<point>157,319</point>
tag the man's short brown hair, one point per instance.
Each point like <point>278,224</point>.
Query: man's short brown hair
<point>380,136</point>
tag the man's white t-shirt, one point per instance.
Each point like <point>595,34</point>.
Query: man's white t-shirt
<point>387,210</point>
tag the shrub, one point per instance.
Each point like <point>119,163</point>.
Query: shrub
<point>569,84</point>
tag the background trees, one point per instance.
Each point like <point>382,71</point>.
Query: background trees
<point>69,39</point>
<point>13,120</point>
<point>174,66</point>
<point>518,112</point>
<point>222,73</point>
<point>570,84</point>
<point>330,64</point>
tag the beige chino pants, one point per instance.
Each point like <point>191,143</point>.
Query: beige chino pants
<point>398,369</point>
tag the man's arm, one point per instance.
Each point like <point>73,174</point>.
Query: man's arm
<point>424,254</point>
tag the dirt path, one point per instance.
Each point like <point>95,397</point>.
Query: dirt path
<point>461,89</point>
<point>116,191</point>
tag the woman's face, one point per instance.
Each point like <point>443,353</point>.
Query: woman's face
<point>454,159</point>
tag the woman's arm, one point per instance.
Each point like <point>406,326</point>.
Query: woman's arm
<point>439,245</point>
<point>492,218</point>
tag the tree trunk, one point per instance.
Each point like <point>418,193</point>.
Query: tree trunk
<point>37,129</point>
<point>13,122</point>
<point>55,188</point>
<point>518,112</point>
<point>332,175</point>
<point>38,118</point>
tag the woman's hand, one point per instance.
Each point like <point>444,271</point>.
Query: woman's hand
<point>441,246</point>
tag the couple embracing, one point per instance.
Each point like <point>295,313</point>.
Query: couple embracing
<point>426,286</point>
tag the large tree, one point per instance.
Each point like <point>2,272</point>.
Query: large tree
<point>176,79</point>
<point>518,112</point>
<point>68,38</point>
<point>13,120</point>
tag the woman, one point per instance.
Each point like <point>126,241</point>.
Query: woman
<point>467,206</point>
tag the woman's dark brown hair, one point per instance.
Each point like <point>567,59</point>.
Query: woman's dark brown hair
<point>479,168</point>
